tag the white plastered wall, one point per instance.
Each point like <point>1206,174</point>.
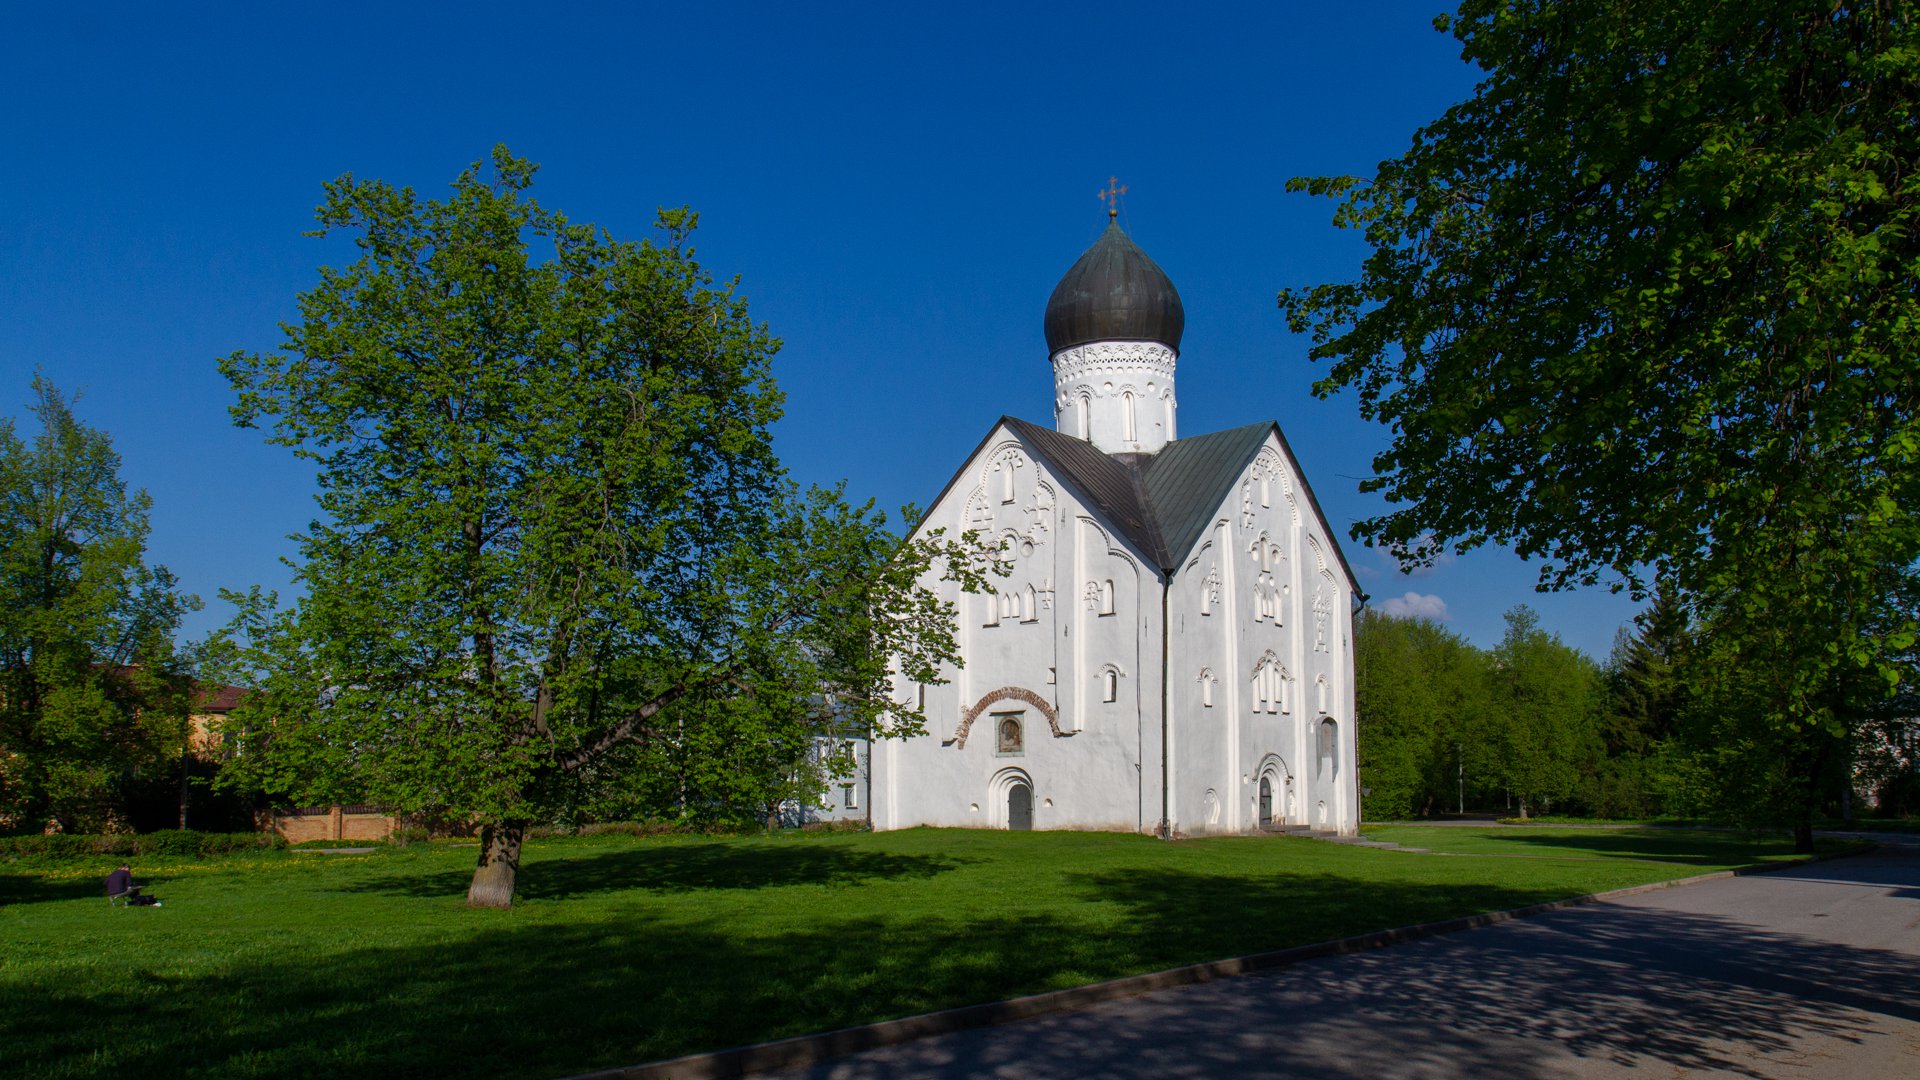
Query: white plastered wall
<point>1266,538</point>
<point>1040,648</point>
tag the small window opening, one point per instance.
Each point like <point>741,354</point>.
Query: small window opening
<point>1110,685</point>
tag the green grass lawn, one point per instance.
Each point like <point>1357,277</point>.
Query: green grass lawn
<point>625,950</point>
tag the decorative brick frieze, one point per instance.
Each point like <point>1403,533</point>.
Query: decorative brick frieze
<point>1006,693</point>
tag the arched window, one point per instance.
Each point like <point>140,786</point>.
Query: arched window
<point>1110,684</point>
<point>1126,404</point>
<point>993,603</point>
<point>1032,612</point>
<point>1086,413</point>
<point>1329,749</point>
<point>1269,686</point>
<point>1106,597</point>
<point>1206,688</point>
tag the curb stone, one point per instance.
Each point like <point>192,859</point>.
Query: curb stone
<point>803,1050</point>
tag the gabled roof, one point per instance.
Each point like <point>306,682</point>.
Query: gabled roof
<point>1111,482</point>
<point>1163,502</point>
<point>1189,479</point>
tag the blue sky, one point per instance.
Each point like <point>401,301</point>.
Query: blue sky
<point>898,187</point>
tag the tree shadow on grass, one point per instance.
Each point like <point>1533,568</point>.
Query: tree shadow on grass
<point>678,868</point>
<point>1681,847</point>
<point>499,996</point>
<point>1633,987</point>
<point>28,887</point>
<point>540,999</point>
<point>34,887</point>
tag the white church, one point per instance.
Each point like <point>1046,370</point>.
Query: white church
<point>1173,652</point>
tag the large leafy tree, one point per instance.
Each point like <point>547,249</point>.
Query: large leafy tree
<point>1425,709</point>
<point>91,687</point>
<point>1643,307</point>
<point>1547,701</point>
<point>553,529</point>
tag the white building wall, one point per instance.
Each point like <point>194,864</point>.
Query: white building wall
<point>1039,648</point>
<point>1245,601</point>
<point>1094,614</point>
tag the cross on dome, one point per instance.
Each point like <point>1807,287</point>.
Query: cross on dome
<point>1110,195</point>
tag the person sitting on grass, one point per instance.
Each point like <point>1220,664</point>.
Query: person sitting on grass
<point>120,887</point>
<point>120,884</point>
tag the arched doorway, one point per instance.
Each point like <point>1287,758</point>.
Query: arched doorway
<point>1019,806</point>
<point>1273,793</point>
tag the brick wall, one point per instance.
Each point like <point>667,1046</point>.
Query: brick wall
<point>333,823</point>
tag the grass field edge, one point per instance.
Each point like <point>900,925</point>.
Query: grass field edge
<point>802,1050</point>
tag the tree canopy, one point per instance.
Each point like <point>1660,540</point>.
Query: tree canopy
<point>553,533</point>
<point>91,687</point>
<point>1642,307</point>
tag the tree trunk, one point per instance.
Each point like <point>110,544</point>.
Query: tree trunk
<point>499,865</point>
<point>186,775</point>
<point>1803,836</point>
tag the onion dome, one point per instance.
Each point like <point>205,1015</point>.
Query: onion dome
<point>1114,293</point>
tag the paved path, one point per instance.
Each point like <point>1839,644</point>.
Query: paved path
<point>1811,972</point>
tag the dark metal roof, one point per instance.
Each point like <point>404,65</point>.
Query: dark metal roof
<point>1114,292</point>
<point>1159,503</point>
<point>1162,503</point>
<point>1109,481</point>
<point>1190,478</point>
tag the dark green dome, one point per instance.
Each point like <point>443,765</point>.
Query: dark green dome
<point>1114,293</point>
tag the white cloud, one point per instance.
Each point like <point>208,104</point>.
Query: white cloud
<point>1416,606</point>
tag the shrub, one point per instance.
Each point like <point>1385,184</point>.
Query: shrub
<point>164,842</point>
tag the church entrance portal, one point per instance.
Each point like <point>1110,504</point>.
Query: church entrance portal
<point>1019,807</point>
<point>1266,802</point>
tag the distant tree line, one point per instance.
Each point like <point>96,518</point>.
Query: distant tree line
<point>1660,729</point>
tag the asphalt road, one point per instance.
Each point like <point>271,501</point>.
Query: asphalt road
<point>1811,972</point>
